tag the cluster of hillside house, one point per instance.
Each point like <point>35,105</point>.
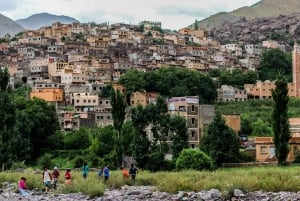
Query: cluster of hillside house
<point>70,64</point>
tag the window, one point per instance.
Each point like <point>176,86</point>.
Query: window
<point>193,108</point>
<point>193,134</point>
<point>263,150</point>
<point>193,120</point>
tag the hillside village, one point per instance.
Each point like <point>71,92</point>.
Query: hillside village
<point>70,64</point>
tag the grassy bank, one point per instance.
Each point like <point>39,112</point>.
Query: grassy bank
<point>247,179</point>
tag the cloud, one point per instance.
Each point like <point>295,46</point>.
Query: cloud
<point>8,5</point>
<point>177,11</point>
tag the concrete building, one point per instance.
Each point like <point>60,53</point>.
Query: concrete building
<point>188,108</point>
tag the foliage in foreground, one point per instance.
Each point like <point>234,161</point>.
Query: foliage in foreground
<point>270,179</point>
<point>194,159</point>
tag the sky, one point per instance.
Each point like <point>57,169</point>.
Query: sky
<point>173,14</point>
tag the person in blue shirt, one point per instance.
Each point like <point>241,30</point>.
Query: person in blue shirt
<point>106,172</point>
<point>85,170</point>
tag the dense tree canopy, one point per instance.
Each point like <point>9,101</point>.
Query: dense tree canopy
<point>170,82</point>
<point>272,61</point>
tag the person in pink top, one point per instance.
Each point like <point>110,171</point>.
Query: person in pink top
<point>22,187</point>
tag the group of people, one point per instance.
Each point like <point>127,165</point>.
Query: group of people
<point>51,178</point>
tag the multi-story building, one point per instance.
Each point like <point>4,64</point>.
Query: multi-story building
<point>253,49</point>
<point>142,98</point>
<point>84,102</point>
<point>103,115</point>
<point>188,108</point>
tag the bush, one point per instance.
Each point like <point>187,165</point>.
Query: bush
<point>46,161</point>
<point>193,159</point>
<point>78,161</point>
<point>246,157</point>
<point>297,157</point>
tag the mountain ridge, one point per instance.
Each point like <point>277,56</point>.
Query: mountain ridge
<point>261,9</point>
<point>38,20</point>
<point>9,26</point>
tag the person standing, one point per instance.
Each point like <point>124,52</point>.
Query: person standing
<point>47,178</point>
<point>106,172</point>
<point>22,186</point>
<point>125,172</point>
<point>85,170</point>
<point>133,172</point>
<point>55,175</point>
<point>68,177</point>
<point>100,172</point>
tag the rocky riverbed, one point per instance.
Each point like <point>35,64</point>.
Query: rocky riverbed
<point>149,193</point>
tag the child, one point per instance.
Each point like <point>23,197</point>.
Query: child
<point>133,172</point>
<point>125,172</point>
<point>100,171</point>
<point>47,178</point>
<point>68,181</point>
<point>85,170</point>
<point>106,172</point>
<point>55,175</point>
<point>22,187</point>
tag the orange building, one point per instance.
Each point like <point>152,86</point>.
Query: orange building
<point>233,121</point>
<point>263,90</point>
<point>48,94</point>
<point>265,149</point>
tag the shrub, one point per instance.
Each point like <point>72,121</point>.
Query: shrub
<point>246,157</point>
<point>193,159</point>
<point>46,161</point>
<point>297,158</point>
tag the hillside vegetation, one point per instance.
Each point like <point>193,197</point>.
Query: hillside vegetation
<point>264,8</point>
<point>257,112</point>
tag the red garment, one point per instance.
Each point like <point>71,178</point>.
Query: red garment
<point>55,174</point>
<point>68,175</point>
<point>22,184</point>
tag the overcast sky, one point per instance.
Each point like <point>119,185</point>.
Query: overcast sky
<point>173,14</point>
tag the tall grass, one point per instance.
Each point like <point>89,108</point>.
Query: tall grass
<point>247,179</point>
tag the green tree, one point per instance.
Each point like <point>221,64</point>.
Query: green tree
<point>273,60</point>
<point>77,139</point>
<point>280,119</point>
<point>193,159</point>
<point>140,145</point>
<point>118,113</point>
<point>7,121</point>
<point>102,140</point>
<point>220,142</point>
<point>43,124</point>
<point>179,135</point>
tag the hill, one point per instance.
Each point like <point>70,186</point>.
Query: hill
<point>264,8</point>
<point>283,28</point>
<point>44,19</point>
<point>9,26</point>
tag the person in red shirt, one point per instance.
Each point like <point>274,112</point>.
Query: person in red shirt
<point>68,177</point>
<point>55,175</point>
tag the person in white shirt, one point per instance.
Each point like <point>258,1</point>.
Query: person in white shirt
<point>47,178</point>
